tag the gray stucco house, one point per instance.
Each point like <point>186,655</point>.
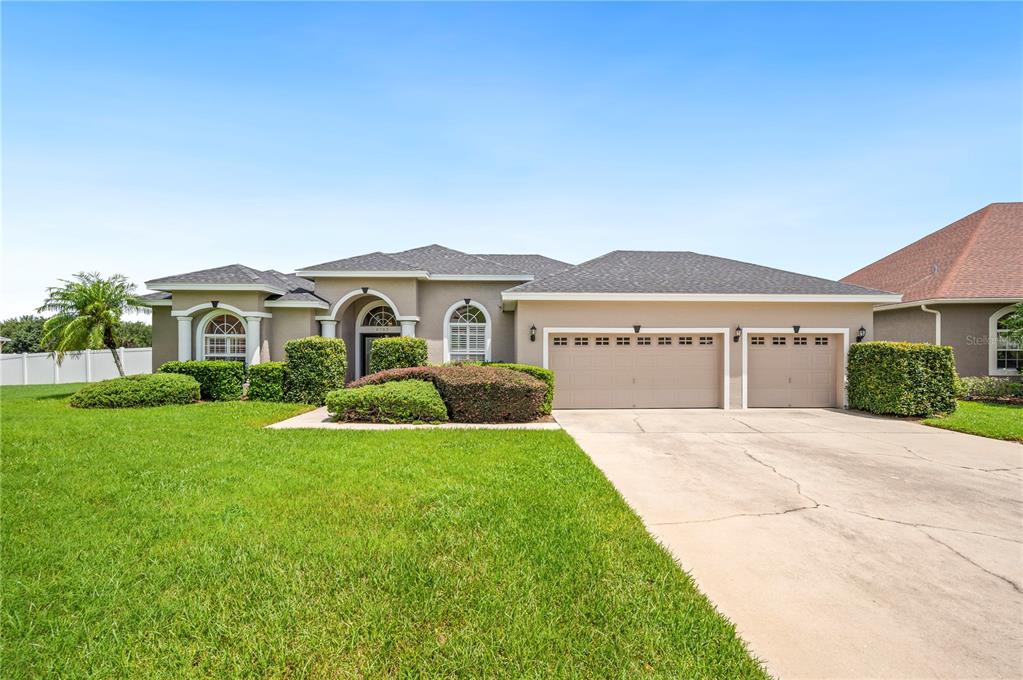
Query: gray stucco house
<point>627,329</point>
<point>958,285</point>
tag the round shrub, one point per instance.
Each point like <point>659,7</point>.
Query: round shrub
<point>316,366</point>
<point>266,381</point>
<point>475,394</point>
<point>902,378</point>
<point>131,391</point>
<point>401,352</point>
<point>218,380</point>
<point>405,401</point>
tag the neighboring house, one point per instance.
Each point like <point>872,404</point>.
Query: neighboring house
<point>958,285</point>
<point>628,329</point>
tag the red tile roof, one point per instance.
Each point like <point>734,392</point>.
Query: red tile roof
<point>980,256</point>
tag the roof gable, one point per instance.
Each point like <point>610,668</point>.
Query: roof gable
<point>979,256</point>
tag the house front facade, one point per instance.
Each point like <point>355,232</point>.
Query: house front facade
<point>630,329</point>
<point>958,286</point>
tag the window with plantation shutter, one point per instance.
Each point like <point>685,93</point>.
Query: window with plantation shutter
<point>467,334</point>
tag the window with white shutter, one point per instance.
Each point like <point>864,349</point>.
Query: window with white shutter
<point>467,334</point>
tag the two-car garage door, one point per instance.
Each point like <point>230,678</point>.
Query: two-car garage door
<point>686,370</point>
<point>608,370</point>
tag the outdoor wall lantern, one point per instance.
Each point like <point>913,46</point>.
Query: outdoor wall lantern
<point>795,329</point>
<point>636,328</point>
<point>737,334</point>
<point>532,333</point>
<point>860,334</point>
<point>215,303</point>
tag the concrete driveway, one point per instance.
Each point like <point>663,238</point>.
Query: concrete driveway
<point>841,545</point>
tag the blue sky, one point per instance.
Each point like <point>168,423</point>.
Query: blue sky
<point>152,139</point>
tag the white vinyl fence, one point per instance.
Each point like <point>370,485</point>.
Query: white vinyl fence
<point>88,366</point>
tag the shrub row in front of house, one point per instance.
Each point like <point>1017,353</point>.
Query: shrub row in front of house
<point>902,378</point>
<point>474,394</point>
<point>988,388</point>
<point>131,391</point>
<point>218,380</point>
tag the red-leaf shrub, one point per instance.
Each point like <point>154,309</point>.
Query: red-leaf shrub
<point>475,394</point>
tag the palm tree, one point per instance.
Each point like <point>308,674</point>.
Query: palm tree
<point>87,312</point>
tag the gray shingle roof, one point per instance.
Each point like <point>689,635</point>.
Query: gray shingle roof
<point>155,297</point>
<point>230,274</point>
<point>636,271</point>
<point>370,262</point>
<point>537,265</point>
<point>433,259</point>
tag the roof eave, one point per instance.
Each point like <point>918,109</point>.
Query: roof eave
<point>948,301</point>
<point>170,287</point>
<point>299,304</point>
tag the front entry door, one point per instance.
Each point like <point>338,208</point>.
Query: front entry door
<point>366,350</point>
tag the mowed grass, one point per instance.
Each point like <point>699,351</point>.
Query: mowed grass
<point>186,541</point>
<point>998,421</point>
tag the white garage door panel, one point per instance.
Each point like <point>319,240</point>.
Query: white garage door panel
<point>655,375</point>
<point>782,373</point>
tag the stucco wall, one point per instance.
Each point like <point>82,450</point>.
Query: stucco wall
<point>246,301</point>
<point>402,292</point>
<point>436,297</point>
<point>287,324</point>
<point>165,337</point>
<point>686,315</point>
<point>964,327</point>
<point>911,324</point>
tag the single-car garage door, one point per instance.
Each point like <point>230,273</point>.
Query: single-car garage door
<point>793,370</point>
<point>607,370</point>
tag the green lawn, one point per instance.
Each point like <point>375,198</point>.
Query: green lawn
<point>998,421</point>
<point>187,541</point>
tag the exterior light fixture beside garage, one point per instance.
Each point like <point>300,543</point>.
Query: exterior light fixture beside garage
<point>532,333</point>
<point>737,334</point>
<point>861,334</point>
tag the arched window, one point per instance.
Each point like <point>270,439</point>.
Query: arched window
<point>380,317</point>
<point>224,338</point>
<point>1006,357</point>
<point>468,333</point>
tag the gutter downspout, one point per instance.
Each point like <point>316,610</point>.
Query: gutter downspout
<point>937,323</point>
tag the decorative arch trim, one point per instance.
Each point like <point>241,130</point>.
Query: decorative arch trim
<point>336,307</point>
<point>488,330</point>
<point>221,306</point>
<point>200,329</point>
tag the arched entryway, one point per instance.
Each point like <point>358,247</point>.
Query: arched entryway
<point>375,319</point>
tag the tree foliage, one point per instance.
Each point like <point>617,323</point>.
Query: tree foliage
<point>87,310</point>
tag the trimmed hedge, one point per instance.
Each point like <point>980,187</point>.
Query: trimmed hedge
<point>475,394</point>
<point>316,366</point>
<point>405,401</point>
<point>546,375</point>
<point>400,352</point>
<point>266,381</point>
<point>132,391</point>
<point>218,380</point>
<point>902,378</point>
<point>988,388</point>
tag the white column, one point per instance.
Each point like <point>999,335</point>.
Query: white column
<point>408,328</point>
<point>184,338</point>
<point>252,339</point>
<point>328,329</point>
